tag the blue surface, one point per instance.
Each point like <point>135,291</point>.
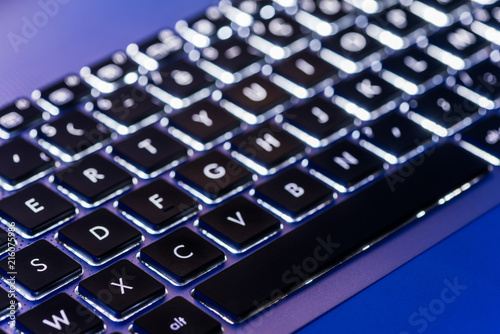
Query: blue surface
<point>43,40</point>
<point>451,288</point>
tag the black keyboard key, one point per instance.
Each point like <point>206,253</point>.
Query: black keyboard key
<point>304,73</point>
<point>254,99</point>
<point>481,84</point>
<point>63,94</point>
<point>99,236</point>
<point>128,109</point>
<point>108,75</point>
<point>149,152</point>
<point>39,269</point>
<point>317,122</point>
<point>278,36</point>
<point>442,111</point>
<point>396,27</point>
<point>121,290</point>
<point>293,194</point>
<point>60,313</point>
<point>176,316</point>
<point>395,138</point>
<point>230,60</point>
<point>457,47</point>
<point>179,84</point>
<point>35,210</point>
<point>325,17</point>
<point>262,278</point>
<point>161,48</point>
<point>351,50</point>
<point>6,240</point>
<point>73,135</point>
<point>8,304</point>
<point>366,95</point>
<point>413,71</point>
<point>345,166</point>
<point>93,180</point>
<point>21,163</point>
<point>203,125</point>
<point>18,116</point>
<point>483,139</point>
<point>441,13</point>
<point>267,148</point>
<point>182,256</point>
<point>157,206</point>
<point>239,224</point>
<point>213,177</point>
<point>204,29</point>
<point>487,23</point>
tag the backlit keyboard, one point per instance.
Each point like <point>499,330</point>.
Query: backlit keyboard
<point>191,180</point>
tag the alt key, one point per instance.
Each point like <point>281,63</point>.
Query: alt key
<point>176,316</point>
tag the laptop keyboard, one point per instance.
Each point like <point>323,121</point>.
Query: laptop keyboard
<point>230,159</point>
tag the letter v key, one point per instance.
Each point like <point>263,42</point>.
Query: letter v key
<point>238,220</point>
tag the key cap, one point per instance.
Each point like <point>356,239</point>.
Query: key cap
<point>157,206</point>
<point>99,237</point>
<point>62,94</point>
<point>73,136</point>
<point>239,224</point>
<point>254,99</point>
<point>438,12</point>
<point>121,290</point>
<point>149,152</point>
<point>480,84</point>
<point>442,111</point>
<point>21,163</point>
<point>396,27</point>
<point>483,139</point>
<point>8,303</point>
<point>109,74</point>
<point>457,47</point>
<point>5,239</point>
<point>351,50</point>
<point>395,138</point>
<point>163,47</point>
<point>413,71</point>
<point>35,210</point>
<point>176,316</point>
<point>93,180</point>
<point>60,313</point>
<point>213,177</point>
<point>128,109</point>
<point>18,116</point>
<point>366,96</point>
<point>204,29</point>
<point>345,166</point>
<point>230,60</point>
<point>277,36</point>
<point>293,195</point>
<point>203,125</point>
<point>179,84</point>
<point>39,269</point>
<point>487,23</point>
<point>303,74</point>
<point>267,148</point>
<point>318,122</point>
<point>262,278</point>
<point>325,17</point>
<point>181,256</point>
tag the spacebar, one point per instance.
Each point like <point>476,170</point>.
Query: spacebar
<point>285,265</point>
